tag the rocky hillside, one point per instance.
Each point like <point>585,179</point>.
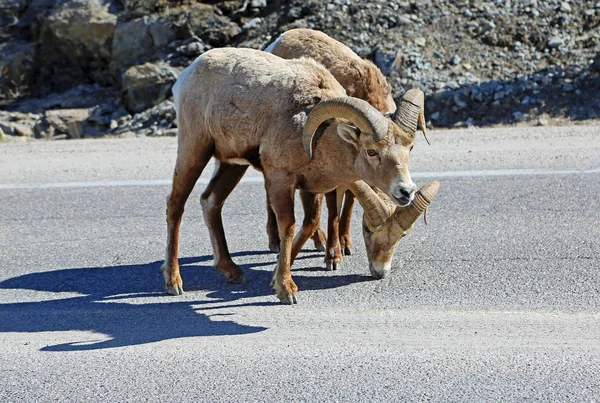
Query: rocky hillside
<point>87,68</point>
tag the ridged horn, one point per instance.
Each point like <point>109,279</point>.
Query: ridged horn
<point>411,111</point>
<point>376,210</point>
<point>359,112</point>
<point>407,216</point>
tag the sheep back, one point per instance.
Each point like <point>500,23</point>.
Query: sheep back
<point>245,99</point>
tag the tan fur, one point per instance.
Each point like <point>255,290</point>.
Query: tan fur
<point>250,105</point>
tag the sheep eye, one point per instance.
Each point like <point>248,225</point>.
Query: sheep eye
<point>411,147</point>
<point>371,152</point>
<point>367,230</point>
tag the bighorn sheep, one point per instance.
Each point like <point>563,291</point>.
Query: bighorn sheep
<point>362,79</point>
<point>244,106</point>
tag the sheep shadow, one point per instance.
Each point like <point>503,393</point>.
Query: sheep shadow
<point>148,315</point>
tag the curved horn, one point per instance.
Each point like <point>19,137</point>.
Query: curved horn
<point>411,111</point>
<point>407,216</point>
<point>376,210</point>
<point>364,116</point>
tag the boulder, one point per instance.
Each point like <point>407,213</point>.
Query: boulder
<point>72,122</point>
<point>17,65</point>
<point>205,22</point>
<point>81,29</point>
<point>137,40</point>
<point>76,42</point>
<point>146,85</point>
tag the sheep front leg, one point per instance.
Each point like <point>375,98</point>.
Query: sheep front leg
<point>345,239</point>
<point>281,189</point>
<point>333,256</point>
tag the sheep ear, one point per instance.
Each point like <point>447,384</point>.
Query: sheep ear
<point>349,134</point>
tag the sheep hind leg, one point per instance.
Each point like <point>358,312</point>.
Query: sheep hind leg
<point>311,203</point>
<point>345,238</point>
<point>333,255</point>
<point>224,180</point>
<point>188,168</point>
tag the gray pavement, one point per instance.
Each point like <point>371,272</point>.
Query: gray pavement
<point>497,299</point>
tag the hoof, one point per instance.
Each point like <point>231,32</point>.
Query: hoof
<point>320,247</point>
<point>347,251</point>
<point>289,299</point>
<point>175,290</point>
<point>241,279</point>
<point>331,266</point>
<point>274,247</point>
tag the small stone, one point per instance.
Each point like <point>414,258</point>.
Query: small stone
<point>460,101</point>
<point>435,116</point>
<point>518,116</point>
<point>253,23</point>
<point>454,60</point>
<point>467,13</point>
<point>295,13</point>
<point>113,124</point>
<point>542,122</point>
<point>258,3</point>
<point>555,42</point>
<point>420,41</point>
<point>565,7</point>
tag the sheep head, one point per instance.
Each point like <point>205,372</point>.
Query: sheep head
<point>382,143</point>
<point>385,224</point>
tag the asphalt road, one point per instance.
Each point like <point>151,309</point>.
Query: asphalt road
<point>497,299</point>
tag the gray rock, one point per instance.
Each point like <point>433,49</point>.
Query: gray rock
<point>565,7</point>
<point>146,85</point>
<point>139,8</point>
<point>460,101</point>
<point>555,41</point>
<point>454,60</point>
<point>18,64</point>
<point>258,3</point>
<point>385,60</point>
<point>253,23</point>
<point>542,122</point>
<point>137,40</point>
<point>295,13</point>
<point>67,121</point>
<point>80,30</point>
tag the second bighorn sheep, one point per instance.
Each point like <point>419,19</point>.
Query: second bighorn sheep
<point>248,107</point>
<point>362,79</point>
